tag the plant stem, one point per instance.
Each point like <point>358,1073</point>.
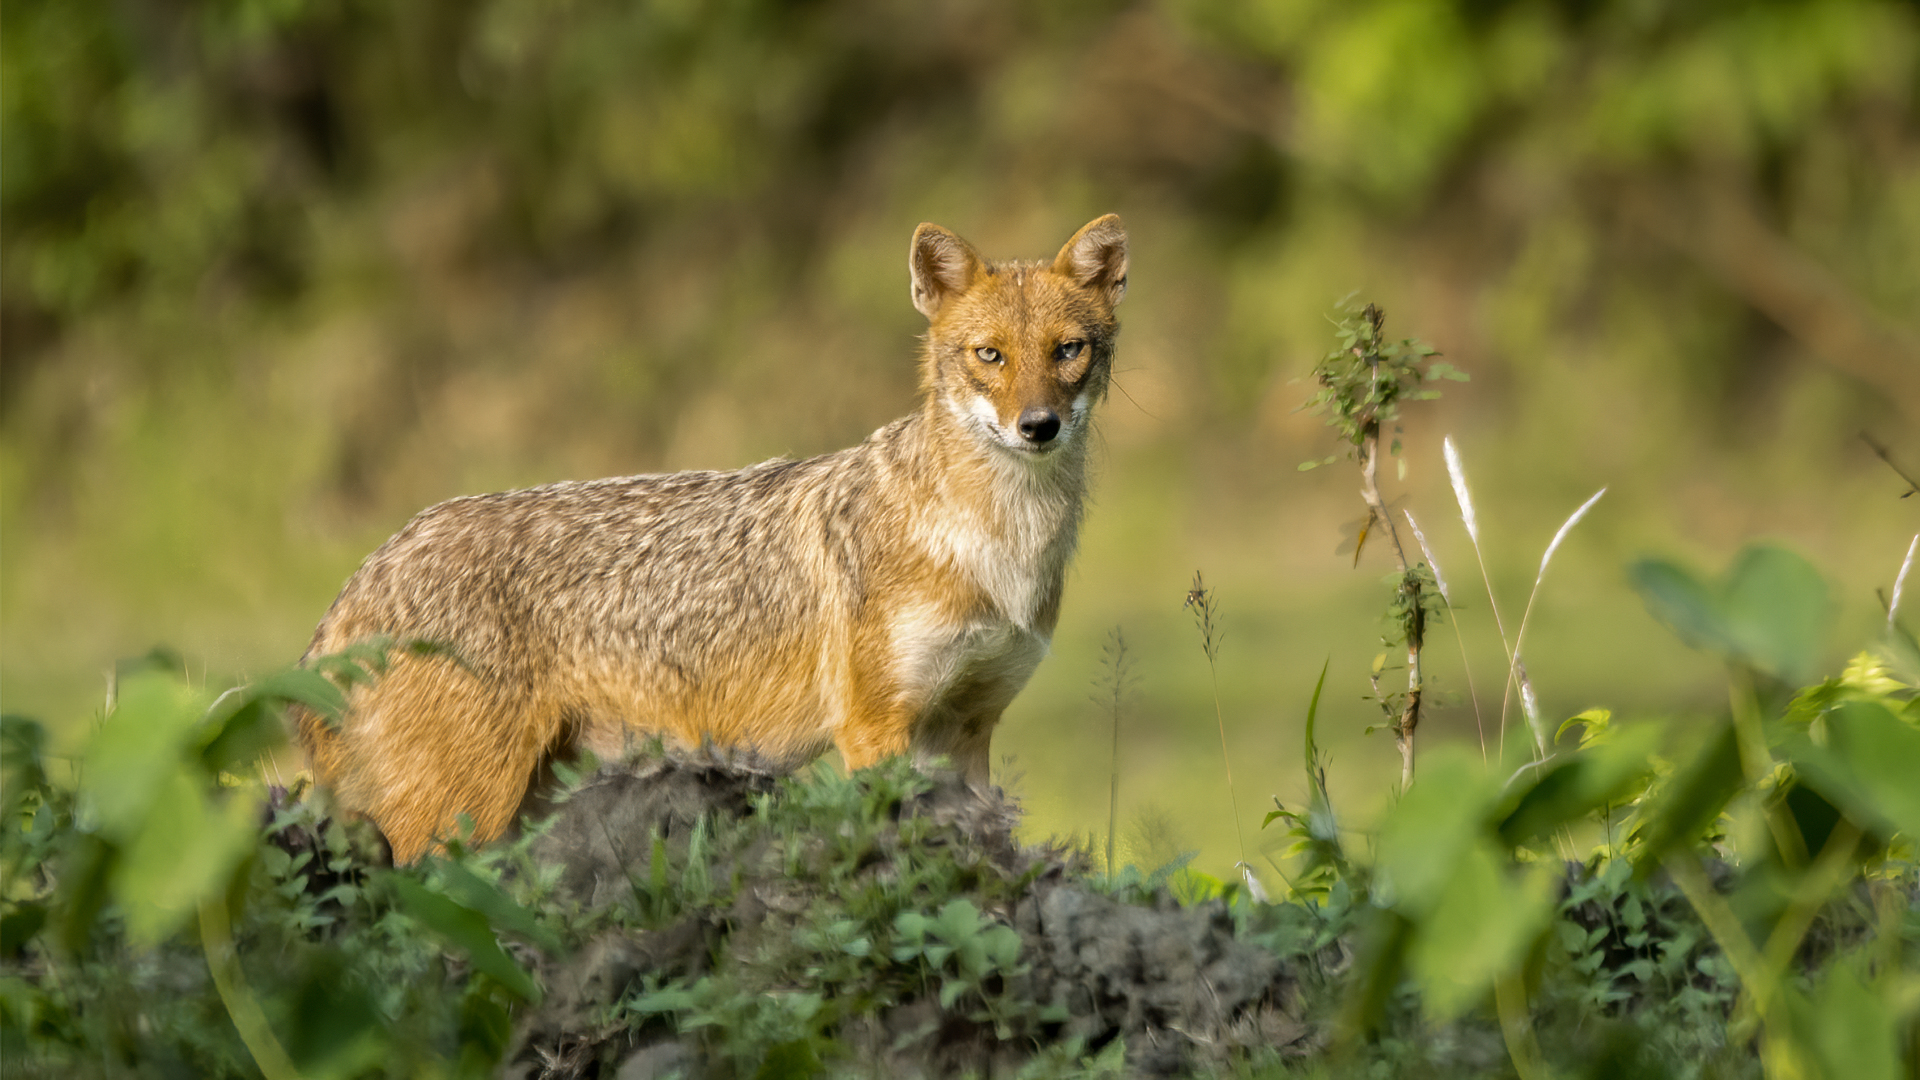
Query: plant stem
<point>1724,927</point>
<point>1119,675</point>
<point>216,937</point>
<point>1516,1025</point>
<point>1416,625</point>
<point>1200,599</point>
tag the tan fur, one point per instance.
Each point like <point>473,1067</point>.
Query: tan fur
<point>888,598</point>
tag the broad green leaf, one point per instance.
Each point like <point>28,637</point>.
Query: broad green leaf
<point>1869,767</point>
<point>1575,786</point>
<point>85,872</point>
<point>1384,937</point>
<point>1486,918</point>
<point>1596,727</point>
<point>1776,610</point>
<point>1683,602</point>
<point>244,723</point>
<point>1003,946</point>
<point>794,1059</point>
<point>959,921</point>
<point>1770,610</point>
<point>138,751</point>
<point>19,926</point>
<point>241,738</point>
<point>1851,1032</point>
<point>333,1028</point>
<point>186,849</point>
<point>467,930</point>
<point>470,890</point>
<point>1429,832</point>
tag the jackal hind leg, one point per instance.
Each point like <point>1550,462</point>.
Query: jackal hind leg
<point>878,726</point>
<point>962,738</point>
<point>431,741</point>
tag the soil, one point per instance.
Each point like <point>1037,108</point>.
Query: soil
<point>1174,982</point>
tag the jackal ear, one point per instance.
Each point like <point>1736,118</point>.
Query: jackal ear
<point>1096,257</point>
<point>942,265</point>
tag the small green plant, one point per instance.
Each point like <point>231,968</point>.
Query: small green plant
<point>978,949</point>
<point>1362,384</point>
<point>1116,686</point>
<point>1204,606</point>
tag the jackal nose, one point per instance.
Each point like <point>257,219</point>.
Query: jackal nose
<point>1039,425</point>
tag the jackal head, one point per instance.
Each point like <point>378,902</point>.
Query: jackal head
<point>1020,352</point>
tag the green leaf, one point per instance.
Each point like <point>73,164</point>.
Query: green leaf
<point>85,873</point>
<point>1429,832</point>
<point>1482,924</point>
<point>334,1027</point>
<point>22,767</point>
<point>472,891</point>
<point>959,921</point>
<point>1868,767</point>
<point>1574,786</point>
<point>19,926</point>
<point>467,930</point>
<point>795,1059</point>
<point>187,849</point>
<point>244,723</point>
<point>1849,1029</point>
<point>1596,727</point>
<point>1776,609</point>
<point>1003,946</point>
<point>137,751</point>
<point>1685,604</point>
<point>1770,610</point>
<point>1311,755</point>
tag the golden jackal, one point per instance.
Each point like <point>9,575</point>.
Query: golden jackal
<point>887,598</point>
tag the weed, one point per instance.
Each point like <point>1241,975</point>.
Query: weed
<point>1362,384</point>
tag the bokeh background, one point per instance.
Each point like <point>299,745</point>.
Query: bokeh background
<point>275,274</point>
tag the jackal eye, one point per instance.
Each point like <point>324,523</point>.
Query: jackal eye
<point>987,354</point>
<point>1067,350</point>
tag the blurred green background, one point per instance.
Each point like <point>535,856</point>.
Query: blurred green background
<point>278,273</point>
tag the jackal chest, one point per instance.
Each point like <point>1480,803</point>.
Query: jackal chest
<point>979,664</point>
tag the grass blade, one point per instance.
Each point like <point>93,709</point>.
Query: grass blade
<point>1515,671</point>
<point>1313,713</point>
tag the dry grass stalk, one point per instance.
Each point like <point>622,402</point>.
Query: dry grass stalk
<point>1516,671</point>
<point>1200,601</point>
<point>1900,582</point>
<point>1462,495</point>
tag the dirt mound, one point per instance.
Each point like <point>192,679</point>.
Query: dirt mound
<point>878,926</point>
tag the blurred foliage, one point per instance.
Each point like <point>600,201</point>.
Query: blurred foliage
<point>1794,854</point>
<point>1758,920</point>
<point>200,153</point>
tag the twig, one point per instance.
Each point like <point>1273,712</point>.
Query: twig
<point>1879,449</point>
